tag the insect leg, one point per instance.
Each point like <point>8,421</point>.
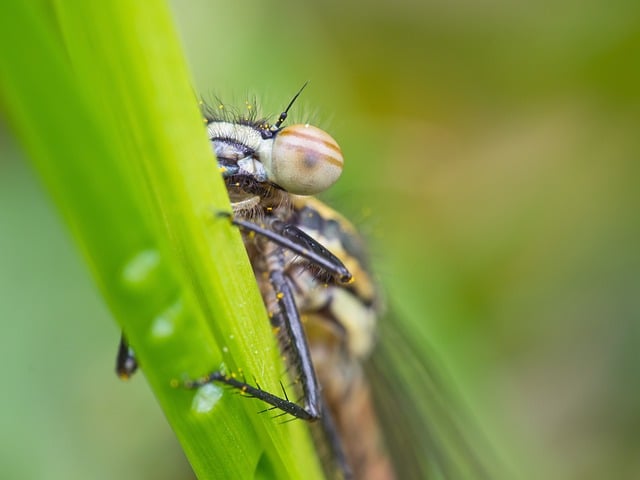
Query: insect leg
<point>294,333</point>
<point>335,443</point>
<point>249,390</point>
<point>126,363</point>
<point>294,239</point>
<point>325,258</point>
<point>288,318</point>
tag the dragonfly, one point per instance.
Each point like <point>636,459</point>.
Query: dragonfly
<point>312,269</point>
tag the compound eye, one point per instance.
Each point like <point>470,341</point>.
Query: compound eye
<point>305,160</point>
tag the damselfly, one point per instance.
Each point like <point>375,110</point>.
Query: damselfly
<point>312,270</point>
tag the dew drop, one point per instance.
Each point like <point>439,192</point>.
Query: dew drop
<point>140,269</point>
<point>164,324</point>
<point>206,398</point>
<point>162,327</point>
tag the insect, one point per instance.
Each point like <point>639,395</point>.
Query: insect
<point>312,270</point>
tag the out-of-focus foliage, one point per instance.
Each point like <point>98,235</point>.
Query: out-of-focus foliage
<point>491,157</point>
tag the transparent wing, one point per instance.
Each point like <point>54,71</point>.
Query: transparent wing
<point>428,432</point>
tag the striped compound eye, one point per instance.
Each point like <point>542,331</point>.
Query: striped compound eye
<point>304,160</point>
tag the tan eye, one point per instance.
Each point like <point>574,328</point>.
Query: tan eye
<point>304,160</point>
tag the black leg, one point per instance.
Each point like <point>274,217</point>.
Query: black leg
<point>126,364</point>
<point>325,259</point>
<point>294,337</point>
<point>335,443</point>
<point>292,238</point>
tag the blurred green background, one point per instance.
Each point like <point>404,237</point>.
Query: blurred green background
<point>491,156</point>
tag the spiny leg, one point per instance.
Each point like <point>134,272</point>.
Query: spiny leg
<point>283,404</point>
<point>293,334</point>
<point>295,337</point>
<point>295,240</point>
<point>318,254</point>
<point>335,443</point>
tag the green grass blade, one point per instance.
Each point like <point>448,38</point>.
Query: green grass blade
<point>99,96</point>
